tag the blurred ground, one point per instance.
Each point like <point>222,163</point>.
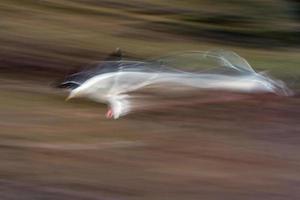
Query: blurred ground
<point>52,149</point>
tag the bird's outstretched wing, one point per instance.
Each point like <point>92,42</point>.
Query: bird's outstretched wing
<point>214,61</point>
<point>232,60</point>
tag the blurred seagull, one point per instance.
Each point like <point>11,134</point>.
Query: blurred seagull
<point>111,82</point>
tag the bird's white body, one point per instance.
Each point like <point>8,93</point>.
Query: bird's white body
<point>113,88</point>
<point>114,81</point>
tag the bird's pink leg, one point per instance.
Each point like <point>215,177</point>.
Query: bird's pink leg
<point>109,114</point>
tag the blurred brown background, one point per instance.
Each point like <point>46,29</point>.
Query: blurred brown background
<point>50,149</point>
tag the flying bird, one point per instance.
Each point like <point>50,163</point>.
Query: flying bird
<point>114,81</point>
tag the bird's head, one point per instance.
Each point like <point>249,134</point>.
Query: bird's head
<point>74,94</point>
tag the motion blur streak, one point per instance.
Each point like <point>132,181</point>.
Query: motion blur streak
<point>199,125</point>
<point>111,82</point>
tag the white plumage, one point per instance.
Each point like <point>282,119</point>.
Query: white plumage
<point>113,82</point>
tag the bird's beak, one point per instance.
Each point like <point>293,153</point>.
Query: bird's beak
<point>71,95</point>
